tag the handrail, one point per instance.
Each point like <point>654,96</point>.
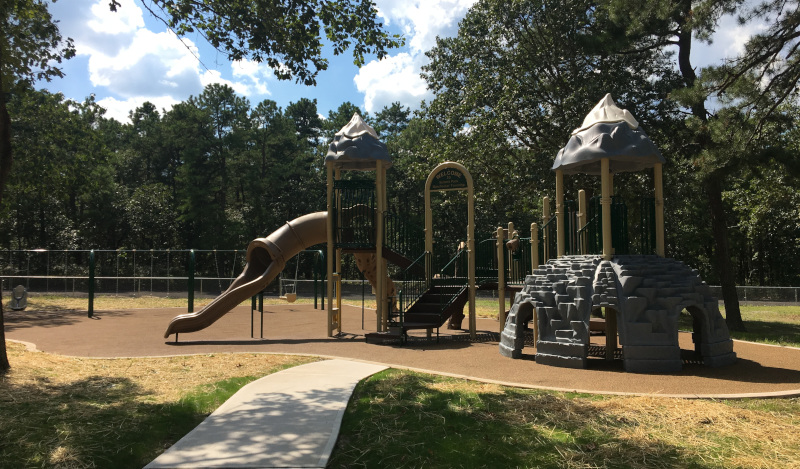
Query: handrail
<point>414,282</point>
<point>402,236</point>
<point>458,264</point>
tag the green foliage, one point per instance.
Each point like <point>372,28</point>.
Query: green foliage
<point>63,188</point>
<point>285,35</point>
<point>513,83</point>
<point>31,47</point>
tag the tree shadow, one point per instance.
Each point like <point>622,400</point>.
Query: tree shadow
<point>438,427</point>
<point>263,428</point>
<point>98,421</point>
<point>46,318</point>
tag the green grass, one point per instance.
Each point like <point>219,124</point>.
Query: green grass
<point>118,432</point>
<point>406,419</point>
<point>769,324</point>
<point>75,413</point>
<point>69,412</point>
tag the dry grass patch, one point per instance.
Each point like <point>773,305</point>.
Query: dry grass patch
<point>426,421</point>
<point>78,412</point>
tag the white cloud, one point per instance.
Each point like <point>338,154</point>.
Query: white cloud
<point>127,19</point>
<point>254,73</point>
<point>728,41</point>
<point>423,20</point>
<point>119,109</point>
<point>135,64</point>
<point>397,77</point>
<point>392,79</point>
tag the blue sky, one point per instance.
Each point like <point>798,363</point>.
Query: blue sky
<point>128,57</point>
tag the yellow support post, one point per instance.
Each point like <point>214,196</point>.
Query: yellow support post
<point>545,219</point>
<point>605,202</point>
<point>560,245</point>
<point>501,279</point>
<point>330,251</point>
<point>512,273</point>
<point>582,219</point>
<point>659,193</point>
<point>380,192</point>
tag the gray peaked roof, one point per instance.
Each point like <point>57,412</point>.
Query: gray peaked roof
<point>356,147</point>
<point>608,132</point>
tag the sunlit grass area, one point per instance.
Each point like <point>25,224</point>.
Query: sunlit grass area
<point>407,419</point>
<point>75,412</point>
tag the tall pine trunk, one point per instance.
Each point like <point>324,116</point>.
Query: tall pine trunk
<point>712,185</point>
<point>722,258</point>
<point>5,169</point>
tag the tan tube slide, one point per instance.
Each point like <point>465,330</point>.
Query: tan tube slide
<point>266,258</point>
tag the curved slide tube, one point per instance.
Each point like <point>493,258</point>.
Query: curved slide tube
<point>266,258</point>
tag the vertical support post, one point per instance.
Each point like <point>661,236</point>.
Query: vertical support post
<point>659,193</point>
<point>91,283</point>
<point>191,280</point>
<point>534,247</point>
<point>380,192</point>
<point>605,202</point>
<point>252,313</point>
<point>582,219</point>
<point>471,253</point>
<point>611,332</point>
<point>560,245</point>
<point>511,275</point>
<point>429,234</point>
<point>330,254</point>
<point>501,279</point>
<point>545,220</point>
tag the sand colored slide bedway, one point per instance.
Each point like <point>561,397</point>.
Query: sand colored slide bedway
<point>266,258</point>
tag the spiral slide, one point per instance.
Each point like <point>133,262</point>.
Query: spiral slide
<point>266,258</point>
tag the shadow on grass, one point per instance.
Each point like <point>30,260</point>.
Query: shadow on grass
<point>98,421</point>
<point>781,333</point>
<point>421,421</point>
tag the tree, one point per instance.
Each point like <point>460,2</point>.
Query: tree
<point>285,35</point>
<point>513,83</point>
<point>769,69</point>
<point>31,48</point>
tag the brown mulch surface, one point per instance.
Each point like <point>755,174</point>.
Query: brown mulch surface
<point>300,329</point>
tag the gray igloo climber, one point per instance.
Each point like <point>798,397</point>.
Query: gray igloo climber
<point>596,269</point>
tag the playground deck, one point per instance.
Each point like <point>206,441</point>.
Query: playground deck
<point>761,370</point>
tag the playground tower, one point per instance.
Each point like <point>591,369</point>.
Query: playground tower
<point>635,297</point>
<point>356,210</point>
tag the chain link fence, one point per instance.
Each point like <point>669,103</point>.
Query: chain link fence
<point>165,273</point>
<point>131,272</point>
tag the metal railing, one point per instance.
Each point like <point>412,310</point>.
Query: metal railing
<point>414,283</point>
<point>354,204</point>
<point>452,279</point>
<point>403,237</point>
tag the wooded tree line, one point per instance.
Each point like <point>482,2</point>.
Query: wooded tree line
<point>216,171</point>
<point>213,172</point>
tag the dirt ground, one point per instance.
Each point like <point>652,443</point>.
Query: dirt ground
<point>761,370</point>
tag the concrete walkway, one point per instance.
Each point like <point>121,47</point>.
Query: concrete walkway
<point>288,419</point>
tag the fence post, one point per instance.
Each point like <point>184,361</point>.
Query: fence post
<point>91,283</point>
<point>191,281</point>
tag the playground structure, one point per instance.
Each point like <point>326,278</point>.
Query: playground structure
<point>641,295</point>
<point>586,264</point>
<point>357,222</point>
